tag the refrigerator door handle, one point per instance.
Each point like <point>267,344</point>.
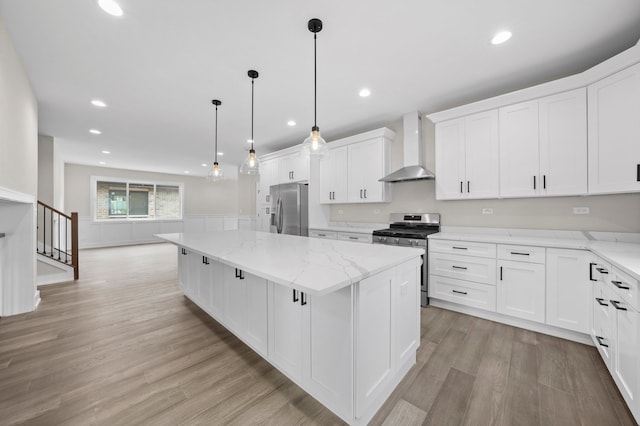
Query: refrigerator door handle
<point>280,216</point>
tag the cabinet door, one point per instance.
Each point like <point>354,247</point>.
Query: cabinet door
<point>520,290</point>
<point>285,331</point>
<point>405,304</point>
<point>183,268</point>
<point>268,176</point>
<point>626,371</point>
<point>294,168</point>
<point>327,372</point>
<point>333,176</point>
<point>367,164</point>
<point>481,155</point>
<point>257,318</point>
<point>235,303</point>
<point>450,159</point>
<point>569,291</point>
<point>519,150</point>
<point>563,143</point>
<point>204,284</point>
<point>614,133</point>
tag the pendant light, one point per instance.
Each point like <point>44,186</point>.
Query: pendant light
<point>315,144</point>
<point>251,165</point>
<point>216,174</point>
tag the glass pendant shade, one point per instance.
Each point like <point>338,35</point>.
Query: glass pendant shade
<point>215,173</point>
<point>251,164</point>
<point>314,144</point>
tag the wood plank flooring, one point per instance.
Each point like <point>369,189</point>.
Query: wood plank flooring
<point>123,346</point>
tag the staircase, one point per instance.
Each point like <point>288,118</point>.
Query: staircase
<point>57,245</point>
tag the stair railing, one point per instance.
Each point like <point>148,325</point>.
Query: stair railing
<point>58,236</point>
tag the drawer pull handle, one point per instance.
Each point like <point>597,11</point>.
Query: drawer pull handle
<point>459,248</point>
<point>501,273</point>
<point>620,285</point>
<point>601,302</point>
<point>602,270</point>
<point>600,339</point>
<point>295,296</point>
<point>591,265</point>
<point>322,235</point>
<point>459,267</point>
<point>520,253</point>
<point>616,305</point>
<point>303,299</point>
<point>183,251</point>
<point>353,238</point>
<point>459,292</point>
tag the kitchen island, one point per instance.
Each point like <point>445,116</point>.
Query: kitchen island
<point>340,319</point>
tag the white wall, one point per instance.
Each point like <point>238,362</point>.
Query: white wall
<point>620,213</point>
<point>18,123</point>
<point>45,169</point>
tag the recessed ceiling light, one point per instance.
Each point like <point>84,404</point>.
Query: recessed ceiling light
<point>204,164</point>
<point>102,162</point>
<point>221,153</point>
<point>98,103</point>
<point>111,7</point>
<point>364,93</point>
<point>106,152</point>
<point>186,172</point>
<point>501,37</point>
<point>95,131</point>
<point>291,123</point>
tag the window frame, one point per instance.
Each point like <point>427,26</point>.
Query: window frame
<point>126,182</point>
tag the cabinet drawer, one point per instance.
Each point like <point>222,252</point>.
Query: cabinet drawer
<point>315,233</point>
<point>480,296</point>
<point>468,268</point>
<point>625,286</point>
<point>355,237</point>
<point>521,253</point>
<point>463,247</point>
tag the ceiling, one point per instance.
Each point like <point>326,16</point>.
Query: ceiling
<point>158,67</point>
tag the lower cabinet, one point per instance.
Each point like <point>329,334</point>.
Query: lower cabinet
<point>520,290</point>
<point>626,363</point>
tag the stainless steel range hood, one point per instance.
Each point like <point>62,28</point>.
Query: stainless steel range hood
<point>412,147</point>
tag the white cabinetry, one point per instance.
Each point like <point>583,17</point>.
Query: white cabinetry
<point>333,176</point>
<point>467,157</point>
<point>359,237</point>
<point>293,168</point>
<point>285,330</point>
<point>569,291</point>
<point>614,133</point>
<point>368,161</point>
<point>521,284</point>
<point>543,146</point>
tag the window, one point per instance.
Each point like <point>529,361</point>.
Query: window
<point>116,199</point>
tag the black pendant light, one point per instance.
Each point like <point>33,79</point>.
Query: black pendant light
<point>215,173</point>
<point>251,164</point>
<point>315,144</point>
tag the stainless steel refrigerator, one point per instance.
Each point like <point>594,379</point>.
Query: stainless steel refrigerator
<point>290,209</point>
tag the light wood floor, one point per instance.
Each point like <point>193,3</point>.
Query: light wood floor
<point>122,346</point>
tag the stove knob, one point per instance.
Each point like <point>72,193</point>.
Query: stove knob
<point>397,240</point>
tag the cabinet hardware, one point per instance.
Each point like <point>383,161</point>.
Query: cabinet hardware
<point>600,339</point>
<point>239,274</point>
<point>353,238</point>
<point>520,253</point>
<point>322,235</point>
<point>303,299</point>
<point>461,187</point>
<point>616,304</point>
<point>602,270</point>
<point>267,210</point>
<point>501,273</point>
<point>638,174</point>
<point>468,187</point>
<point>459,248</point>
<point>361,193</point>
<point>534,182</point>
<point>591,265</point>
<point>205,260</point>
<point>601,302</point>
<point>459,292</point>
<point>295,296</point>
<point>334,195</point>
<point>268,198</point>
<point>365,193</point>
<point>620,285</point>
<point>459,267</point>
<point>183,251</point>
<point>544,181</point>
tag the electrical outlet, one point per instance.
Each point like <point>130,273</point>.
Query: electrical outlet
<point>376,211</point>
<point>340,211</point>
<point>487,210</point>
<point>581,210</point>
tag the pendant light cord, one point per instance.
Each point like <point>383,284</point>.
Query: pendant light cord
<point>216,141</point>
<point>315,81</point>
<point>252,80</point>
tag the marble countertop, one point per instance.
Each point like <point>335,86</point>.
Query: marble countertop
<point>624,255</point>
<point>313,265</point>
<point>358,228</point>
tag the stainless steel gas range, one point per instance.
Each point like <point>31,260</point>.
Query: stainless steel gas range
<point>411,229</point>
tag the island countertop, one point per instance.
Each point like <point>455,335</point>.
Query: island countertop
<point>312,265</point>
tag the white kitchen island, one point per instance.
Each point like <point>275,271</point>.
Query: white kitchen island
<point>340,319</point>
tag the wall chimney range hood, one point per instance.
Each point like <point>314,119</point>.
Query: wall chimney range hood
<point>412,147</point>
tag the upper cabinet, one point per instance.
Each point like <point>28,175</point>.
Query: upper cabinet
<point>543,146</point>
<point>467,157</point>
<point>614,133</point>
<point>293,168</point>
<point>349,172</point>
